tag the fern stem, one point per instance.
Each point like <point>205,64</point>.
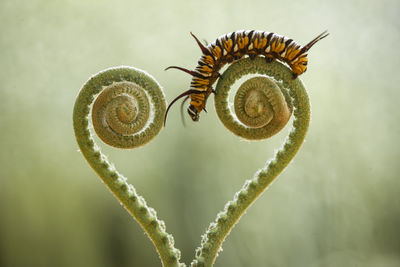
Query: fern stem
<point>253,188</point>
<point>110,79</point>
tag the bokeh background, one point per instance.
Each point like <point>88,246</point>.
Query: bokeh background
<point>337,204</point>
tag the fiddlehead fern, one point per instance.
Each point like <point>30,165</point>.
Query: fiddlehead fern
<point>120,112</point>
<point>260,106</point>
<point>127,113</point>
<point>264,121</point>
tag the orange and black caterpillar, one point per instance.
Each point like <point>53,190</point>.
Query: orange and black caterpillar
<point>234,46</point>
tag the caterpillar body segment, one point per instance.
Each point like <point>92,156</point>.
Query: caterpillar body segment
<point>234,46</point>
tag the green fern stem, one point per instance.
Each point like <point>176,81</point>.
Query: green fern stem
<point>297,100</point>
<point>129,115</point>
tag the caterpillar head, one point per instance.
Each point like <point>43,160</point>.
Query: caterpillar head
<point>193,113</point>
<point>192,110</point>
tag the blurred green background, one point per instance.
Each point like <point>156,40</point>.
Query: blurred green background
<point>337,204</point>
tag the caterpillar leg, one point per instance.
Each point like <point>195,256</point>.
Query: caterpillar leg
<point>294,76</point>
<point>252,56</point>
<point>182,105</point>
<point>269,59</point>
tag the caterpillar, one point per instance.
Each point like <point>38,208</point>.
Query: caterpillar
<point>234,46</point>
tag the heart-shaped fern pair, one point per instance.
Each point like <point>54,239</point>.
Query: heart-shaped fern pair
<point>128,111</point>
